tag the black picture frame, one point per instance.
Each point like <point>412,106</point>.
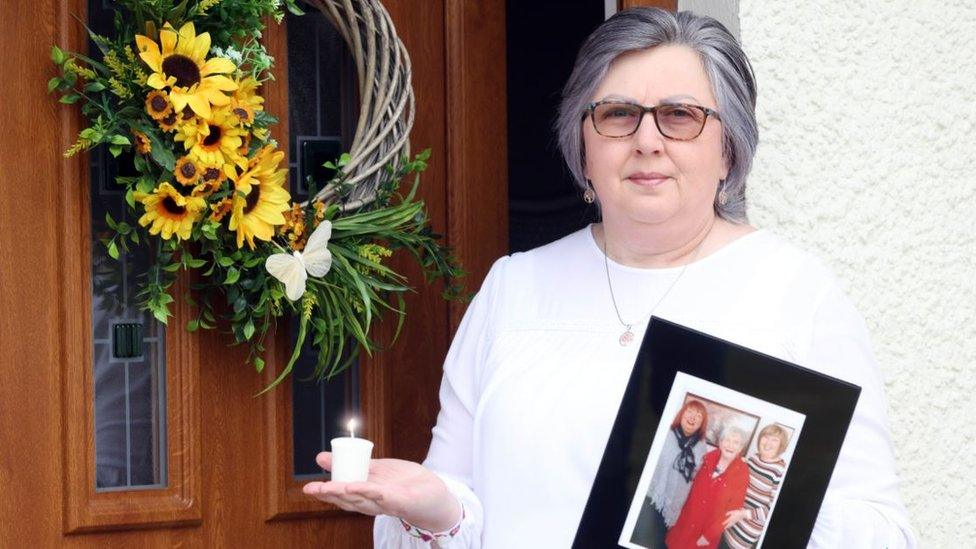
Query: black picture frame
<point>667,348</point>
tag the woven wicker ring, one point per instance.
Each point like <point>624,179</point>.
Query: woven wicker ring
<point>386,109</point>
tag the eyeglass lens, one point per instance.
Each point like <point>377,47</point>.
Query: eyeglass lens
<point>674,121</point>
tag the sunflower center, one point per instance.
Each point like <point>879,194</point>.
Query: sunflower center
<point>172,207</point>
<point>214,137</point>
<point>185,70</point>
<point>211,174</point>
<point>170,119</point>
<point>252,199</point>
<point>188,170</point>
<point>241,113</point>
<point>158,103</point>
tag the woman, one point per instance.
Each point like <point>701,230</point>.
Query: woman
<point>539,364</point>
<point>679,460</point>
<point>745,526</point>
<point>719,487</point>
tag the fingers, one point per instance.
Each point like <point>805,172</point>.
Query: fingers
<point>324,459</point>
<point>336,494</point>
<point>369,490</point>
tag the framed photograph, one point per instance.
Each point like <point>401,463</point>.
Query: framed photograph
<point>715,445</point>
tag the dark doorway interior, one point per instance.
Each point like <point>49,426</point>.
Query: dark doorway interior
<point>543,38</point>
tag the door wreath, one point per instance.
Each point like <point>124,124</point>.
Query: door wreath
<point>178,90</point>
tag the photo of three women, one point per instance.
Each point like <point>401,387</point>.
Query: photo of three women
<point>712,499</point>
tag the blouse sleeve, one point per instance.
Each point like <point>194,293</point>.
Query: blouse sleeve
<point>451,449</point>
<point>862,507</point>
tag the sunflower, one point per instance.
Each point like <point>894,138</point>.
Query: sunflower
<point>141,142</point>
<point>247,93</point>
<point>260,198</point>
<point>243,111</point>
<point>168,122</point>
<point>214,141</point>
<point>245,144</point>
<point>158,105</point>
<point>186,171</point>
<point>213,176</point>
<point>170,212</point>
<point>221,209</point>
<point>182,66</point>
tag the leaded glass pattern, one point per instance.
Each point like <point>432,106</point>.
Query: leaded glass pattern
<point>129,357</point>
<point>321,118</point>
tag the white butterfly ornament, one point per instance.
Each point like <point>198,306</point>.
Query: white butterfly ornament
<point>293,269</point>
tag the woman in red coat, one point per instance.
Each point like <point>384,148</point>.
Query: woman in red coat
<point>719,487</point>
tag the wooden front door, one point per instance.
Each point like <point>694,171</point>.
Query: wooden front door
<point>227,473</point>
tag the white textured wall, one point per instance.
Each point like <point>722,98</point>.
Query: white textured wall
<point>867,155</point>
<point>725,11</point>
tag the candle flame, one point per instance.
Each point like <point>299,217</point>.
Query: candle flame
<point>352,427</point>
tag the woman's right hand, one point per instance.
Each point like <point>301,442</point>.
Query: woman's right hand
<point>394,487</point>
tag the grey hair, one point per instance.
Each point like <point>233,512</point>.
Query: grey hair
<point>728,69</point>
<point>729,428</point>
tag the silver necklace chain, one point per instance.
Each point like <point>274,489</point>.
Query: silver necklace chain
<point>627,337</point>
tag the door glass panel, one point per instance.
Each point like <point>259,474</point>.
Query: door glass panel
<point>129,344</point>
<point>322,108</point>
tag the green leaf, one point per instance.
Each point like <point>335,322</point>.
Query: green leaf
<point>259,364</point>
<point>161,153</point>
<point>145,185</point>
<point>130,199</point>
<point>293,8</point>
<point>161,314</point>
<point>110,222</point>
<point>119,140</point>
<point>53,84</point>
<point>225,261</point>
<point>248,329</point>
<point>232,275</point>
<point>115,150</point>
<point>172,267</point>
<point>70,99</point>
<point>58,56</point>
<point>93,87</point>
<point>192,325</point>
<point>196,263</point>
<point>113,250</point>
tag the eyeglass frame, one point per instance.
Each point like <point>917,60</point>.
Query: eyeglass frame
<point>590,107</point>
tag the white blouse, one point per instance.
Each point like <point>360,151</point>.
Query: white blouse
<point>535,375</point>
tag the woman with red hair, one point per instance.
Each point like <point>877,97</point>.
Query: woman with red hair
<point>680,458</point>
<point>719,487</point>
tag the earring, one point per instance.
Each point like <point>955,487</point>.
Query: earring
<point>589,195</point>
<point>723,197</point>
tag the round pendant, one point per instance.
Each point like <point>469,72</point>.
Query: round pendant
<point>626,338</point>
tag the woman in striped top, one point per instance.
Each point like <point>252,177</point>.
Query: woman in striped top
<point>745,526</point>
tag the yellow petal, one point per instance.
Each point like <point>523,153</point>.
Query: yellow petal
<point>218,82</point>
<point>198,104</point>
<point>188,31</point>
<point>219,65</point>
<point>167,37</point>
<point>178,99</point>
<point>201,46</point>
<point>156,81</point>
<point>149,52</point>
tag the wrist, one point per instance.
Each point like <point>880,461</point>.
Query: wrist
<point>446,514</point>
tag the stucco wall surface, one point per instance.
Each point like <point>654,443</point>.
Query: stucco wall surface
<point>867,112</point>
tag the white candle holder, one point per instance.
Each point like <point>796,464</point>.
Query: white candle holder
<point>350,459</point>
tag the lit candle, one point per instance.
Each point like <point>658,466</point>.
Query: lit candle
<point>350,456</point>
